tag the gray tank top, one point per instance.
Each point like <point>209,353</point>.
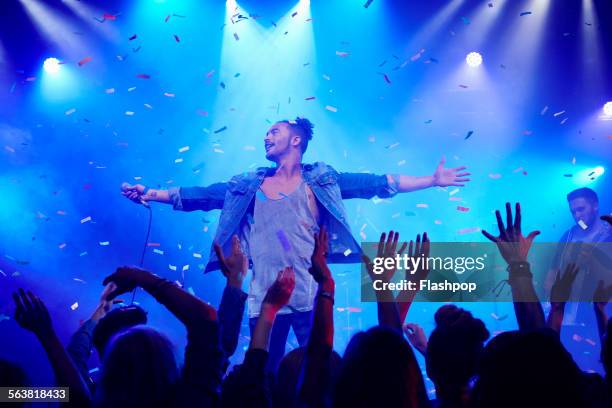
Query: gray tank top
<point>281,235</point>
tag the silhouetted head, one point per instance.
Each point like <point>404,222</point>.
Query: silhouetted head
<point>114,322</point>
<point>12,375</point>
<point>520,369</point>
<point>288,137</point>
<point>288,375</point>
<point>584,205</point>
<point>139,369</point>
<point>454,348</point>
<point>379,369</point>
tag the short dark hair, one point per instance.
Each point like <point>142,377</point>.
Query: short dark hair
<point>115,321</point>
<point>303,127</point>
<point>585,193</point>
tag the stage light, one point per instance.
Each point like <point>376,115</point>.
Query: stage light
<point>473,59</point>
<point>51,65</point>
<point>607,109</point>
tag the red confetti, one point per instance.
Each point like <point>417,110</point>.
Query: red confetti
<point>210,74</point>
<point>135,36</point>
<point>108,16</point>
<point>143,76</point>
<point>84,61</point>
<point>463,209</point>
<point>153,244</point>
<point>176,37</point>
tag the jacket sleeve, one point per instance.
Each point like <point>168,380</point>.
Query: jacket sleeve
<point>79,349</point>
<point>198,198</point>
<point>364,185</point>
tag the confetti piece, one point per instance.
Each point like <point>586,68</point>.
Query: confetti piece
<point>428,121</point>
<point>177,38</point>
<point>169,95</point>
<point>167,18</point>
<point>222,85</point>
<point>462,209</point>
<point>468,230</point>
<point>179,160</point>
<point>183,149</point>
<point>401,162</point>
<point>172,267</point>
<point>463,86</point>
<point>326,77</point>
<point>342,53</point>
<point>143,76</point>
<point>60,212</point>
<point>558,113</point>
<point>387,78</point>
<point>210,73</point>
<point>310,98</point>
<point>577,338</point>
<point>236,37</point>
<point>105,243</point>
<point>396,215</point>
<point>392,145</point>
<point>367,4</point>
<point>86,219</point>
<point>331,108</point>
<point>135,36</point>
<point>146,105</point>
<point>9,149</point>
<point>108,16</point>
<point>131,89</point>
<point>438,222</point>
<point>84,61</point>
<point>589,341</point>
<point>282,237</point>
<point>197,255</point>
<point>62,246</point>
<point>74,306</point>
<point>70,111</point>
<point>469,134</point>
<point>563,121</point>
<point>499,318</point>
<point>455,191</point>
<point>129,113</point>
<point>582,224</point>
<point>217,150</point>
<point>347,252</point>
<point>422,205</point>
<point>83,253</point>
<point>110,90</point>
<point>220,129</point>
<point>78,280</point>
<point>543,111</point>
<point>249,148</point>
<point>190,290</point>
<point>525,13</point>
<point>185,268</point>
<point>495,176</point>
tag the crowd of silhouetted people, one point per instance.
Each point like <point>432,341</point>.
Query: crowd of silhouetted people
<point>527,367</point>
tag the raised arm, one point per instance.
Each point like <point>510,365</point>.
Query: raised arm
<point>32,314</point>
<point>559,295</point>
<point>388,313</point>
<point>315,382</point>
<point>190,310</point>
<point>514,248</point>
<point>231,309</point>
<point>405,297</point>
<point>184,198</point>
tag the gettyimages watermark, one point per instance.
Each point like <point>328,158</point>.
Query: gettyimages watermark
<point>476,272</point>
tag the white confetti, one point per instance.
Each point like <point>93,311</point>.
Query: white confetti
<point>105,243</point>
<point>183,149</point>
<point>110,90</point>
<point>582,224</point>
<point>455,191</point>
<point>180,160</point>
<point>129,113</point>
<point>86,219</point>
<point>217,150</point>
<point>172,267</point>
<point>422,205</point>
<point>347,252</point>
<point>185,268</point>
<point>70,111</point>
<point>74,306</point>
<point>331,108</point>
<point>131,89</point>
<point>197,255</point>
<point>158,251</point>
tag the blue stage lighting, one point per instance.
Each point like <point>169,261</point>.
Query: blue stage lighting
<point>51,65</point>
<point>607,109</point>
<point>473,59</point>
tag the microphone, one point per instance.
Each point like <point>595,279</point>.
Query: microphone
<point>125,187</point>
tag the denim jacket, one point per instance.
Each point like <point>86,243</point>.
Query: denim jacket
<point>235,199</point>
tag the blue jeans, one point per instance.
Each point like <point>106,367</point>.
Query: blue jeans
<point>300,322</point>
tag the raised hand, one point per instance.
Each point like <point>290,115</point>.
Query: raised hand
<point>126,279</point>
<point>421,249</point>
<point>279,293</point>
<point>32,314</point>
<point>416,337</point>
<point>319,270</point>
<point>234,267</point>
<point>443,177</point>
<point>385,250</point>
<point>511,243</point>
<point>562,288</point>
<point>105,304</point>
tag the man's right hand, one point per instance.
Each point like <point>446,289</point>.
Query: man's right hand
<point>134,192</point>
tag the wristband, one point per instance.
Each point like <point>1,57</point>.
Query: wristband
<point>519,269</point>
